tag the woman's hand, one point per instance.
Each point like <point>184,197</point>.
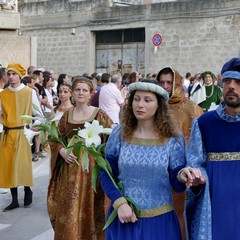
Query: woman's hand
<point>44,100</point>
<point>191,176</point>
<point>35,129</point>
<point>126,214</point>
<point>114,125</point>
<point>70,158</point>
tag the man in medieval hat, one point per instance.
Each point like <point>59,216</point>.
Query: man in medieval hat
<point>213,204</point>
<point>15,152</point>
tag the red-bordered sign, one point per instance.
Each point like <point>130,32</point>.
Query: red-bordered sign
<point>157,40</point>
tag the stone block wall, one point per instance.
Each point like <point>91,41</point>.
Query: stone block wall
<point>61,50</point>
<point>15,48</point>
<point>197,35</point>
<point>195,45</point>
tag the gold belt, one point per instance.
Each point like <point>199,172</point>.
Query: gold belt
<point>156,211</point>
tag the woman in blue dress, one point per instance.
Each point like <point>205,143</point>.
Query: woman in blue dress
<point>146,153</point>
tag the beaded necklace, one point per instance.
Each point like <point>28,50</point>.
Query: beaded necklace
<point>208,96</point>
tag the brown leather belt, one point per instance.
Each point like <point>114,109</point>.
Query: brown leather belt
<point>7,129</point>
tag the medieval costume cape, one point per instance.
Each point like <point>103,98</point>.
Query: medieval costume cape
<point>183,110</point>
<point>212,210</point>
<point>147,169</point>
<point>75,210</point>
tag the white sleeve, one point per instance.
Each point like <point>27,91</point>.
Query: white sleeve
<point>119,97</point>
<point>39,114</point>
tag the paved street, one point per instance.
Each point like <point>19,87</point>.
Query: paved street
<point>28,223</point>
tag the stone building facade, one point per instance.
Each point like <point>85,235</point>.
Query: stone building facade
<point>196,35</point>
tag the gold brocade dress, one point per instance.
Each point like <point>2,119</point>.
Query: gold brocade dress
<point>75,210</point>
<point>15,151</point>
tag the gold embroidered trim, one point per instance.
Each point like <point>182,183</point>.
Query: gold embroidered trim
<point>225,156</point>
<point>73,121</point>
<point>156,211</point>
<point>148,142</point>
<point>117,203</point>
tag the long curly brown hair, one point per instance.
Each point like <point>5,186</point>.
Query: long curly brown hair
<point>164,124</point>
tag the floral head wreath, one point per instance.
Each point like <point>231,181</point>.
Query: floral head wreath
<point>148,87</point>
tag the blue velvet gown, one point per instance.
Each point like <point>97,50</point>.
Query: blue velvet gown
<point>213,212</point>
<point>147,169</point>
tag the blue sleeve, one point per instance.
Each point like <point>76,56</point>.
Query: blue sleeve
<point>196,154</point>
<point>177,162</point>
<point>112,154</point>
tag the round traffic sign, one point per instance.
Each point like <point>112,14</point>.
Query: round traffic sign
<point>157,39</point>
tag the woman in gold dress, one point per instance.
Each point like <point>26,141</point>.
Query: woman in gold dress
<point>75,210</point>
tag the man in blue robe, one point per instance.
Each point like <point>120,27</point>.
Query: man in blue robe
<point>213,207</point>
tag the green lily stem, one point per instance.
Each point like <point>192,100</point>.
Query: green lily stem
<point>61,142</point>
<point>110,176</point>
<point>77,162</point>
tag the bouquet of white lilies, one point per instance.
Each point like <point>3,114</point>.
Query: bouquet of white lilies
<point>47,129</point>
<point>86,141</point>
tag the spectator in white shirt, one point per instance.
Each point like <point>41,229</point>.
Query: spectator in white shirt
<point>111,99</point>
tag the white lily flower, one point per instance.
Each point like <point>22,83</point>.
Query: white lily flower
<point>91,133</point>
<point>57,117</point>
<point>30,134</point>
